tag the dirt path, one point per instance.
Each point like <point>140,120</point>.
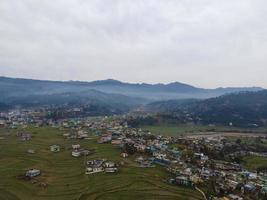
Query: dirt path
<point>203,194</point>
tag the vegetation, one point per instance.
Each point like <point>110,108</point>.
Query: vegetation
<point>255,163</point>
<point>246,109</point>
<point>174,130</point>
<point>12,87</point>
<point>65,174</point>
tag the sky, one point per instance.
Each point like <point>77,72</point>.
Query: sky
<point>206,43</point>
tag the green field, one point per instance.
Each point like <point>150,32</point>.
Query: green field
<point>65,174</point>
<point>254,162</point>
<point>174,130</point>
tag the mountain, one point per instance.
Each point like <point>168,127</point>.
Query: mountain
<point>12,87</point>
<point>168,105</point>
<point>239,109</point>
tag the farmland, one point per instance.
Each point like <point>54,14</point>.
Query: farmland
<point>65,174</point>
<point>174,130</point>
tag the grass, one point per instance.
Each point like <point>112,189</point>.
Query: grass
<point>261,143</point>
<point>174,130</point>
<point>254,162</point>
<point>65,174</point>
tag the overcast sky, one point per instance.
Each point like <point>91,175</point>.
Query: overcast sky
<point>207,43</point>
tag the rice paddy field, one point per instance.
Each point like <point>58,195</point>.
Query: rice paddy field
<point>65,177</point>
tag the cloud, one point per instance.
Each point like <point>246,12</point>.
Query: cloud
<point>207,43</point>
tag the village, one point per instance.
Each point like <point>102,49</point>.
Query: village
<point>198,162</point>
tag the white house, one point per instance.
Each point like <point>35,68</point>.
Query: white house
<point>33,173</point>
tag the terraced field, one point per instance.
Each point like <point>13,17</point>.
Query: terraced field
<point>65,174</point>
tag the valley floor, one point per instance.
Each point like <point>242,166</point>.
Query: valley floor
<point>65,175</point>
<point>174,130</point>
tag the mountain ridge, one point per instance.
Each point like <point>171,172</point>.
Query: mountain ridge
<point>238,109</point>
<point>114,81</point>
<point>159,91</point>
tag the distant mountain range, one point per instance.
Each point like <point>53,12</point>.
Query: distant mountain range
<point>22,87</point>
<point>112,95</point>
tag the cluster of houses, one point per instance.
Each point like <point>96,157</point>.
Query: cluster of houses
<point>190,161</point>
<point>200,161</point>
<point>100,165</point>
<point>77,151</point>
<point>23,117</point>
<point>80,134</point>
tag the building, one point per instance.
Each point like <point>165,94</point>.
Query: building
<point>109,164</point>
<point>33,173</point>
<point>55,148</point>
<point>92,170</point>
<point>2,123</point>
<point>76,147</point>
<point>111,169</point>
<point>30,151</point>
<point>76,153</point>
<point>124,155</point>
<point>182,180</point>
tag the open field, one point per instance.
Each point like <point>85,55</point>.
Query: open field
<point>254,162</point>
<point>231,135</point>
<point>175,130</point>
<point>65,174</point>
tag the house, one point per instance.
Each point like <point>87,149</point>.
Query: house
<point>2,123</point>
<point>183,180</point>
<point>33,173</point>
<point>31,151</point>
<point>195,179</point>
<point>55,148</point>
<point>264,189</point>
<point>84,152</point>
<point>147,164</point>
<point>111,169</point>
<point>76,153</point>
<point>162,161</point>
<point>175,154</point>
<point>249,187</point>
<point>124,155</point>
<point>76,147</point>
<point>139,159</point>
<point>201,156</point>
<point>234,197</point>
<point>92,170</point>
<point>97,163</point>
<point>205,174</point>
<point>109,164</point>
<point>100,165</point>
<point>82,134</point>
<point>116,142</point>
<point>232,184</point>
<point>252,176</point>
<point>105,139</point>
<point>140,147</point>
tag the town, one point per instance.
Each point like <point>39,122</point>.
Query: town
<point>208,163</point>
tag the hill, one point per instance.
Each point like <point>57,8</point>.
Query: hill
<point>240,109</point>
<point>109,95</point>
